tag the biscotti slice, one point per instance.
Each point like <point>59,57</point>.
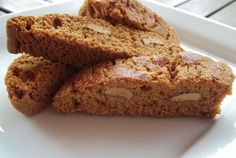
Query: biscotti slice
<point>81,41</point>
<point>32,81</point>
<point>189,85</point>
<point>131,13</point>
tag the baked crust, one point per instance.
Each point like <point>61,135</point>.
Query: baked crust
<point>187,85</point>
<point>32,81</point>
<point>131,13</point>
<point>81,41</point>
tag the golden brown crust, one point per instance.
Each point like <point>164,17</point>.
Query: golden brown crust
<point>186,85</point>
<point>141,70</point>
<point>81,41</point>
<point>131,13</point>
<point>32,81</point>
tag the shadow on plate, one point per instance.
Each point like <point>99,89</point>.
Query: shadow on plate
<point>219,140</point>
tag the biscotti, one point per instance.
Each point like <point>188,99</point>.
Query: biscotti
<point>32,81</point>
<point>81,41</point>
<point>131,13</point>
<point>188,85</point>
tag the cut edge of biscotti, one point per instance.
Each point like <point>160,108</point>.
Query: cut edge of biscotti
<point>81,41</point>
<point>130,13</point>
<point>31,82</point>
<point>189,85</point>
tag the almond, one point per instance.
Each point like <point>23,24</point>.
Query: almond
<point>152,40</point>
<point>122,92</point>
<point>187,97</point>
<point>99,29</point>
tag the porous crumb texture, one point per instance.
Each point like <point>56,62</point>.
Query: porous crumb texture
<point>32,81</point>
<point>131,13</point>
<point>186,85</point>
<point>81,41</point>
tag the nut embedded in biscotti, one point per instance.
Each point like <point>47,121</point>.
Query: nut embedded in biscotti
<point>187,97</point>
<point>190,57</point>
<point>99,29</point>
<point>161,60</point>
<point>122,92</point>
<point>127,73</point>
<point>152,40</point>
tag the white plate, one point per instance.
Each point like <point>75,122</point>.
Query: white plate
<point>52,134</point>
